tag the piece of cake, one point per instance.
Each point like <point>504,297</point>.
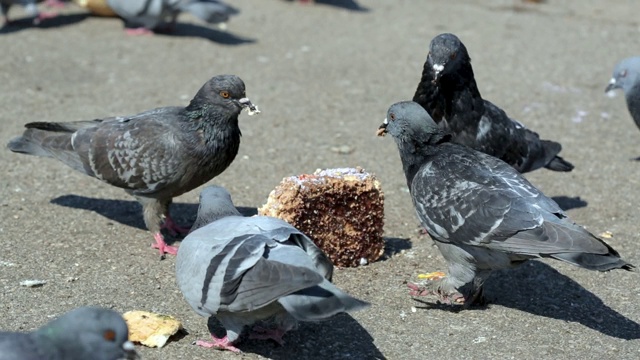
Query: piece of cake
<point>341,210</point>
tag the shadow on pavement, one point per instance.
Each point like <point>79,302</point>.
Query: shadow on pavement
<point>129,212</point>
<point>345,4</point>
<point>568,203</point>
<point>340,337</point>
<point>27,23</point>
<point>393,246</point>
<point>218,36</point>
<point>539,289</point>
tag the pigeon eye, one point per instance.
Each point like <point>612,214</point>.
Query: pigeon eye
<point>392,116</point>
<point>109,335</point>
<point>623,73</point>
<point>224,94</point>
<point>452,56</point>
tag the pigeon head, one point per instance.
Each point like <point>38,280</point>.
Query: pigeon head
<point>446,51</point>
<point>625,75</point>
<point>215,203</point>
<point>226,91</point>
<point>89,333</point>
<point>408,122</point>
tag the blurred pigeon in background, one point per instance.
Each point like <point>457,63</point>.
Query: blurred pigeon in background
<point>246,269</point>
<point>448,91</point>
<point>81,334</point>
<point>482,214</point>
<point>155,155</point>
<point>626,76</point>
<point>143,16</point>
<point>30,8</point>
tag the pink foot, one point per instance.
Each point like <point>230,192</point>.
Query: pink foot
<point>449,299</point>
<point>415,290</point>
<point>43,16</point>
<point>261,333</point>
<point>162,246</point>
<point>54,3</point>
<point>223,344</point>
<point>172,227</point>
<point>138,31</point>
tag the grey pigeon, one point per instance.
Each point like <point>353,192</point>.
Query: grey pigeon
<point>30,8</point>
<point>626,76</point>
<point>448,91</point>
<point>83,333</point>
<point>482,214</point>
<point>246,269</point>
<point>155,155</point>
<point>143,16</point>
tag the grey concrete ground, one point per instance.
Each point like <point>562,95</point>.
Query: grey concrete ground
<point>324,76</point>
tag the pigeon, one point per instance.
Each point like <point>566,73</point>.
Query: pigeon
<point>30,8</point>
<point>155,155</point>
<point>247,269</point>
<point>626,76</point>
<point>482,214</point>
<point>143,16</point>
<point>448,91</point>
<point>83,333</point>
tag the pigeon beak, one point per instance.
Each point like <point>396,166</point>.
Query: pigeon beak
<point>437,71</point>
<point>612,85</point>
<point>130,351</point>
<point>251,109</point>
<point>382,130</point>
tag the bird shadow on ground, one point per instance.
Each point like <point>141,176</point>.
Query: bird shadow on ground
<point>568,203</point>
<point>217,36</point>
<point>27,23</point>
<point>635,159</point>
<point>539,289</point>
<point>393,246</point>
<point>345,4</point>
<point>340,337</point>
<point>129,212</point>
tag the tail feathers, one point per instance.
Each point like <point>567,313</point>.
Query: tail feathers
<point>559,164</point>
<point>45,143</point>
<point>320,302</point>
<point>596,262</point>
<point>69,127</point>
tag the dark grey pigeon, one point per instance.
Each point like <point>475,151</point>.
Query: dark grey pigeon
<point>246,269</point>
<point>81,334</point>
<point>155,155</point>
<point>482,214</point>
<point>448,91</point>
<point>626,76</point>
<point>143,16</point>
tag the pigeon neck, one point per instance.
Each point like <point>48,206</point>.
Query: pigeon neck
<point>418,150</point>
<point>212,213</point>
<point>633,103</point>
<point>428,96</point>
<point>211,122</point>
<point>458,84</point>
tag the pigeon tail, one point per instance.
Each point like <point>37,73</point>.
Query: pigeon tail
<point>596,262</point>
<point>559,164</point>
<point>555,162</point>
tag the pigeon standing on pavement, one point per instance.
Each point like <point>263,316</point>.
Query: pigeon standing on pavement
<point>626,76</point>
<point>81,334</point>
<point>448,91</point>
<point>482,214</point>
<point>246,269</point>
<point>143,16</point>
<point>155,155</point>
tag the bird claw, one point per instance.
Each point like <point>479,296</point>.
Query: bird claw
<point>222,344</point>
<point>261,333</point>
<point>43,16</point>
<point>54,4</point>
<point>162,246</point>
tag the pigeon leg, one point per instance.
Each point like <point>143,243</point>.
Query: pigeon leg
<point>43,16</point>
<point>54,3</point>
<point>262,333</point>
<point>172,227</point>
<point>138,31</point>
<point>162,245</point>
<point>223,344</point>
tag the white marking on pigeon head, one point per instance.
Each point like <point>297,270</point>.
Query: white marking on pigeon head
<point>385,122</point>
<point>438,67</point>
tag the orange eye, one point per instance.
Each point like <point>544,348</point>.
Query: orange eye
<point>109,335</point>
<point>452,56</point>
<point>392,116</point>
<point>224,94</point>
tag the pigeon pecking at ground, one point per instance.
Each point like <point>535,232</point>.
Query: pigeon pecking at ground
<point>81,334</point>
<point>448,91</point>
<point>143,16</point>
<point>246,269</point>
<point>482,214</point>
<point>626,76</point>
<point>155,155</point>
